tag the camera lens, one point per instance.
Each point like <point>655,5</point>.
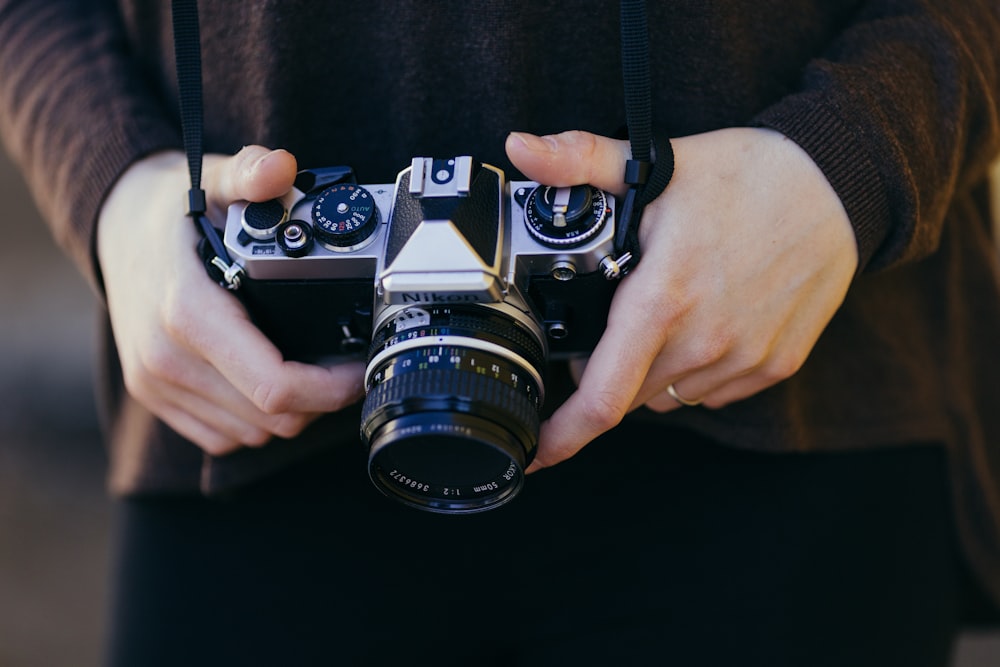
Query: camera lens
<point>451,417</point>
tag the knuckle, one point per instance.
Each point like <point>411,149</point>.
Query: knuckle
<point>781,367</point>
<point>133,372</point>
<point>139,386</point>
<point>159,362</point>
<point>756,356</point>
<point>179,321</point>
<point>707,350</point>
<point>602,411</point>
<point>584,143</point>
<point>247,157</point>
<point>240,170</point>
<point>272,399</point>
<point>749,359</point>
<point>582,148</point>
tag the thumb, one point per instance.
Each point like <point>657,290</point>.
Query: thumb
<point>254,174</point>
<point>570,158</point>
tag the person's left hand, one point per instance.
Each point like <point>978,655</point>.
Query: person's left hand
<point>746,256</point>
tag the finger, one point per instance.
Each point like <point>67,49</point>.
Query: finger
<point>225,425</point>
<point>671,399</point>
<point>170,379</point>
<point>733,376</point>
<point>274,385</point>
<point>613,375</point>
<point>692,383</point>
<point>216,328</point>
<point>570,158</point>
<point>198,388</point>
<point>254,174</point>
<point>717,397</point>
<point>221,332</point>
<point>692,377</point>
<point>195,430</point>
<point>254,430</point>
<point>737,390</point>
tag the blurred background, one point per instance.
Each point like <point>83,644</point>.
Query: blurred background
<point>54,516</point>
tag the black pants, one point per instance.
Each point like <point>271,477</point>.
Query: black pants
<point>648,548</point>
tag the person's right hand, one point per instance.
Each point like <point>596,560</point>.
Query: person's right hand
<point>188,350</point>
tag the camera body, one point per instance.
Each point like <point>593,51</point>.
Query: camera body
<point>460,287</point>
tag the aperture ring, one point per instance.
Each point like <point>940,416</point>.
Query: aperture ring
<point>474,322</point>
<point>463,346</point>
<point>451,390</point>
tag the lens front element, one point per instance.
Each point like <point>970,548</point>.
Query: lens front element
<point>451,418</point>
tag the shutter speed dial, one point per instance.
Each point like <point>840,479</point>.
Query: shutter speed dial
<point>565,217</point>
<point>344,217</point>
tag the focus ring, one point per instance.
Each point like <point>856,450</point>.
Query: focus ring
<point>515,335</point>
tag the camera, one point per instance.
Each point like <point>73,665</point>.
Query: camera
<point>458,288</point>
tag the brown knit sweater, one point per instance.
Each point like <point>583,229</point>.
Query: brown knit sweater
<point>895,100</point>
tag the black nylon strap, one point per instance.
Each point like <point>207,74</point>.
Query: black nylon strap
<point>635,75</point>
<point>652,165</point>
<point>187,53</point>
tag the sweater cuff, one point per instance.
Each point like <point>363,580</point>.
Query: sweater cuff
<point>86,184</point>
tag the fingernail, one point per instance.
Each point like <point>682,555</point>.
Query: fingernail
<point>260,161</point>
<point>535,143</point>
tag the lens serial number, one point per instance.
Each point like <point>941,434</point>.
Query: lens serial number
<point>408,483</point>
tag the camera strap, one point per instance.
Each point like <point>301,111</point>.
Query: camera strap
<point>647,173</point>
<point>651,167</point>
<point>187,53</point>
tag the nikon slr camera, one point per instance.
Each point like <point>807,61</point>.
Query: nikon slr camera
<point>459,288</point>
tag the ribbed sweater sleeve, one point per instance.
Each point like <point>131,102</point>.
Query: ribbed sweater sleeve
<point>74,111</point>
<point>900,113</point>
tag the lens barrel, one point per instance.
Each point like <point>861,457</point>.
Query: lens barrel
<point>451,417</point>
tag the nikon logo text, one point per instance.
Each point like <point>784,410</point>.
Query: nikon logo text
<point>439,297</point>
